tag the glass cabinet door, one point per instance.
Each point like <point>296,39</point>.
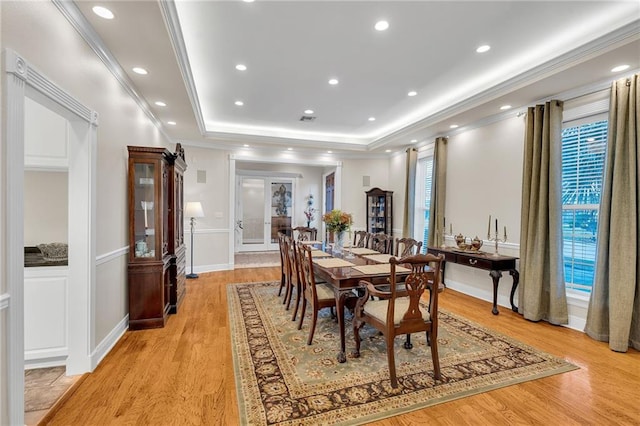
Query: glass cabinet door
<point>144,208</point>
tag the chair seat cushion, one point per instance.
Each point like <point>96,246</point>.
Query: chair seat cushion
<point>378,310</point>
<point>324,291</point>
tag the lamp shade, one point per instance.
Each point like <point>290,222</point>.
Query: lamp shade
<point>193,209</point>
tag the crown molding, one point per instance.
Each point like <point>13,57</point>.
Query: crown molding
<point>172,23</point>
<point>70,11</point>
<point>621,36</point>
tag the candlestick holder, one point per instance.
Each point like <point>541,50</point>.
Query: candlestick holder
<point>497,240</point>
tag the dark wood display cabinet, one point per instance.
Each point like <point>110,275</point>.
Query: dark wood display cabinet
<point>379,211</point>
<point>156,235</point>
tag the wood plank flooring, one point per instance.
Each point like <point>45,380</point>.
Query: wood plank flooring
<point>183,374</point>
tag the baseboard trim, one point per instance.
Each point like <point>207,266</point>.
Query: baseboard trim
<point>212,268</point>
<point>109,342</point>
<point>46,362</point>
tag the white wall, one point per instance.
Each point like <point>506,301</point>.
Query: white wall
<point>353,190</point>
<point>41,34</point>
<point>45,207</point>
<point>4,416</point>
<point>484,177</point>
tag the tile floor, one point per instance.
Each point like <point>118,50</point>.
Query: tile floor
<point>256,259</point>
<point>42,388</point>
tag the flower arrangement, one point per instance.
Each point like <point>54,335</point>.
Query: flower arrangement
<point>310,211</point>
<point>337,220</point>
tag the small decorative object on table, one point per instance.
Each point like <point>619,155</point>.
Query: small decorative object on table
<point>54,252</point>
<point>473,245</point>
<point>337,222</point>
<point>497,237</point>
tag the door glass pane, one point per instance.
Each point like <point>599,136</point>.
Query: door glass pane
<point>280,209</point>
<point>252,211</point>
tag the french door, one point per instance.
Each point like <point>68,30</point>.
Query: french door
<point>264,208</point>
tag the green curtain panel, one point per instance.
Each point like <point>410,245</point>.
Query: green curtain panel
<point>542,290</point>
<point>614,308</point>
<point>410,193</point>
<point>438,190</point>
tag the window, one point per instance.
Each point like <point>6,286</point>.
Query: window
<point>423,199</point>
<point>583,155</point>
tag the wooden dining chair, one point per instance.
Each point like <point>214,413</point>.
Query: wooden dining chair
<point>407,247</point>
<point>282,247</point>
<point>361,239</point>
<point>289,278</point>
<point>303,233</point>
<point>382,243</point>
<point>317,295</point>
<point>398,311</point>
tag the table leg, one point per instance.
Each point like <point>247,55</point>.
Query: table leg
<point>341,297</point>
<point>516,279</point>
<point>495,275</point>
<point>443,265</point>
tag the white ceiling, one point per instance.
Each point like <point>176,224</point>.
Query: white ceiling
<point>292,48</point>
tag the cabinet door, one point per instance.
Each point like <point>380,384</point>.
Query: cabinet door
<point>144,205</point>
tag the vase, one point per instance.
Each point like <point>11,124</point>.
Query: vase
<point>338,242</point>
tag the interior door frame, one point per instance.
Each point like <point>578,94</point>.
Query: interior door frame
<point>22,80</point>
<point>268,179</point>
<point>234,158</point>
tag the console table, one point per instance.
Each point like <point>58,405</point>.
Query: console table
<point>494,264</point>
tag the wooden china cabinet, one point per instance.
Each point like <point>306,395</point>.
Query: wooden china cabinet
<point>156,237</point>
<point>379,211</point>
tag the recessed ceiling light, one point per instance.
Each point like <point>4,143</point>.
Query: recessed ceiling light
<point>414,140</point>
<point>239,103</point>
<point>387,150</point>
<point>412,93</point>
<point>248,1</point>
<point>289,149</point>
<point>246,145</point>
<point>505,107</point>
<point>171,123</point>
<point>329,152</point>
<point>333,81</point>
<point>241,67</point>
<point>381,25</point>
<point>139,70</point>
<point>483,48</point>
<point>620,68</point>
<point>372,119</point>
<point>453,126</point>
<point>160,103</point>
<point>102,12</point>
<point>308,111</point>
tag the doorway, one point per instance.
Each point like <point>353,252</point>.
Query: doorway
<point>22,81</point>
<point>264,208</point>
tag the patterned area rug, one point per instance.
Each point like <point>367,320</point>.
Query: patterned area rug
<point>282,381</point>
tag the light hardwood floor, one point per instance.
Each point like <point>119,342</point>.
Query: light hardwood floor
<point>183,373</point>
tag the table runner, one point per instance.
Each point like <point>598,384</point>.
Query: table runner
<point>380,258</point>
<point>319,253</point>
<point>382,268</point>
<point>332,263</point>
<point>362,250</point>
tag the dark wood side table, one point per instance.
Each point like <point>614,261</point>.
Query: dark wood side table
<point>494,264</point>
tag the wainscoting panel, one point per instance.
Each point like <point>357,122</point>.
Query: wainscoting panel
<point>45,316</point>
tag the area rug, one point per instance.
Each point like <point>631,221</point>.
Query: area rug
<point>280,380</point>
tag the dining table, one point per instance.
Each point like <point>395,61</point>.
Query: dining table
<point>344,270</point>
